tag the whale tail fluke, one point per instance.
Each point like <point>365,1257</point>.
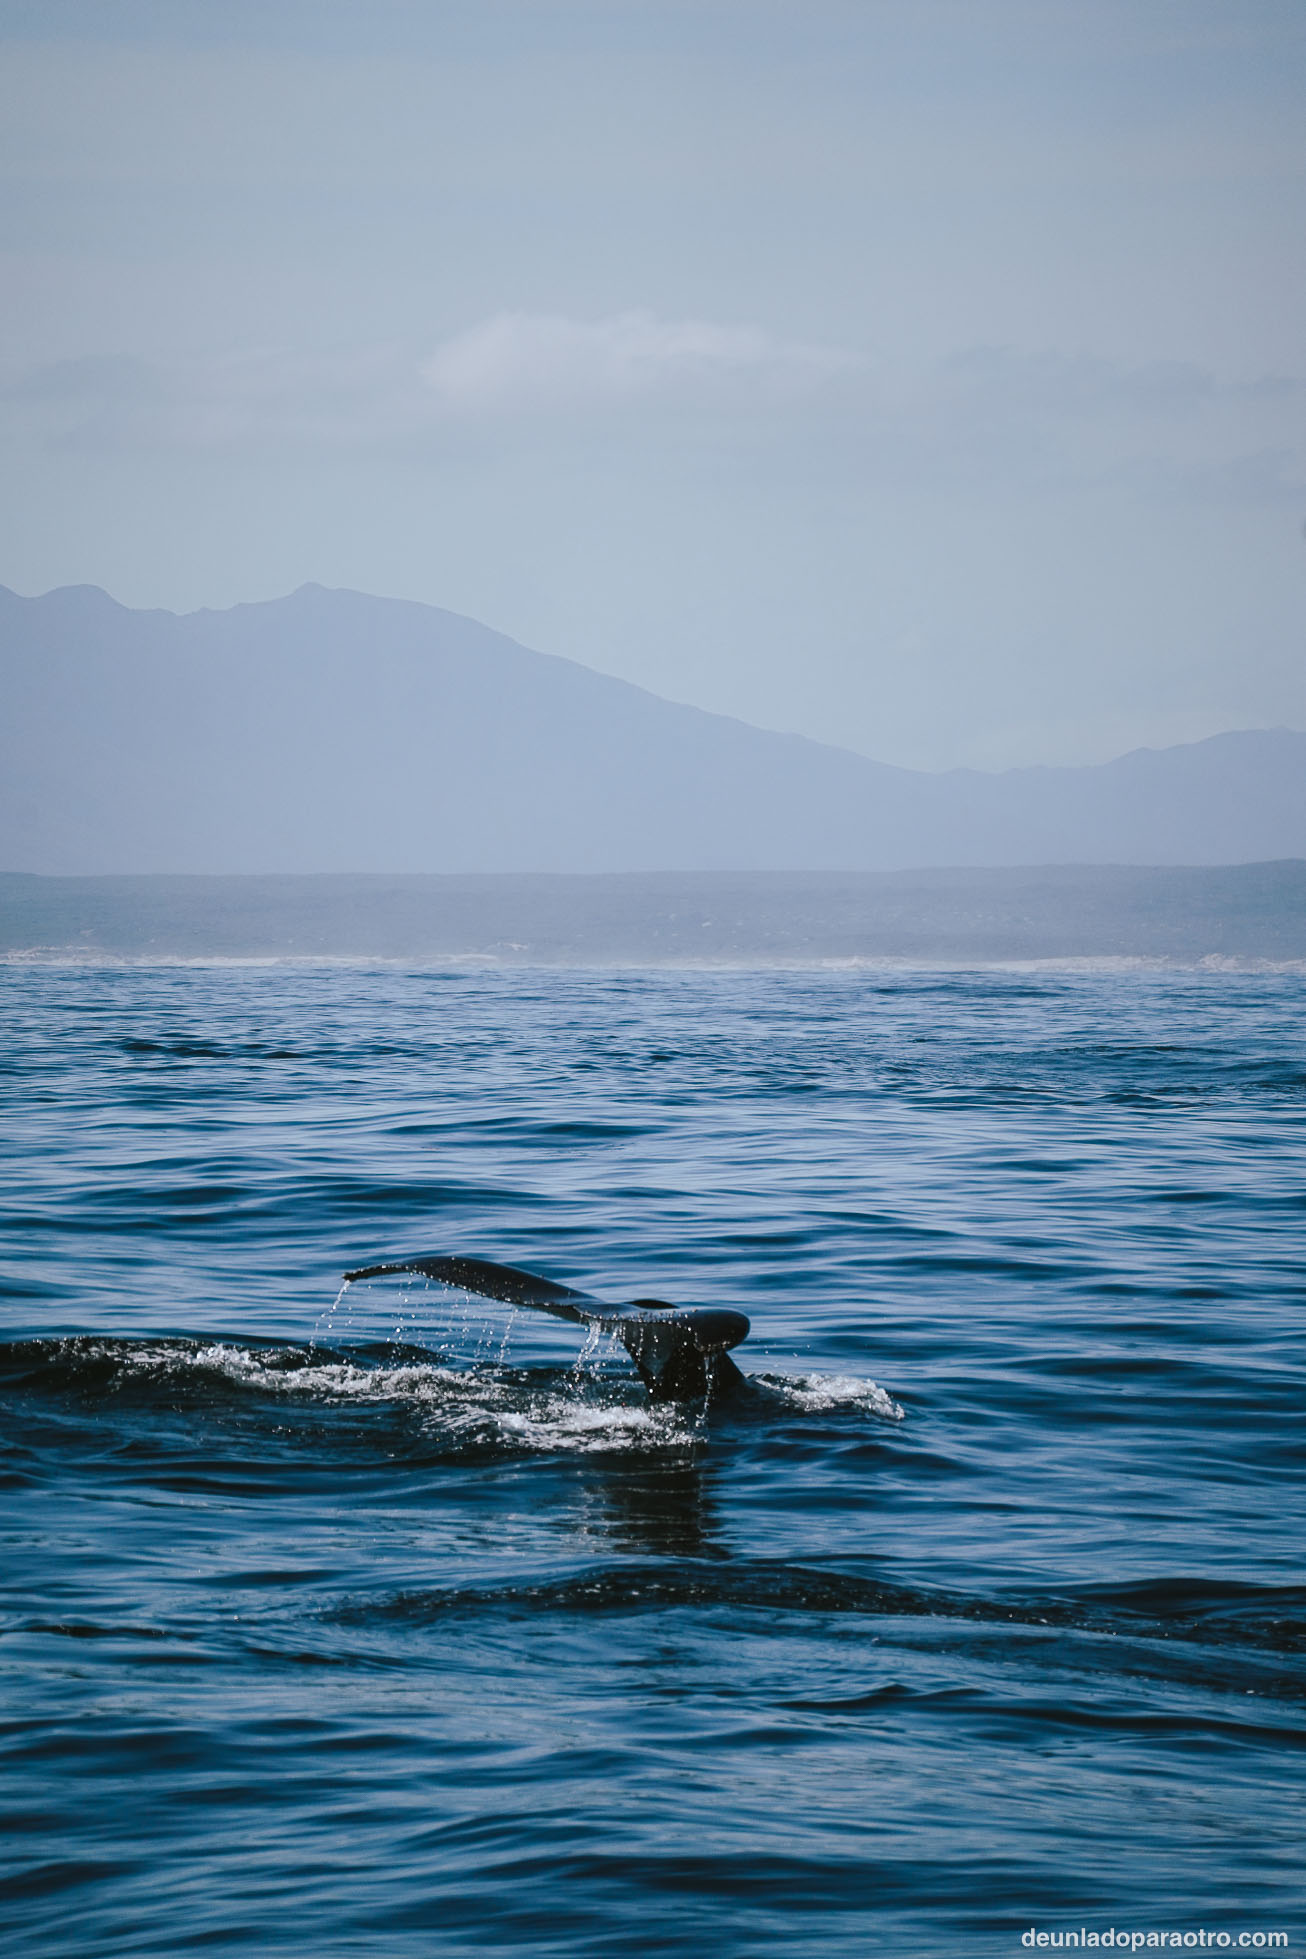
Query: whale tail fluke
<point>480,1275</point>
<point>681,1352</point>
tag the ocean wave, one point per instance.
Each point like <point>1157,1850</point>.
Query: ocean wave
<point>595,1405</point>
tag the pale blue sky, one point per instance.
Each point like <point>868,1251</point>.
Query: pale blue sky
<point>928,376</point>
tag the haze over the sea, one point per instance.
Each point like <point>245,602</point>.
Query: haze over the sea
<point>922,379</point>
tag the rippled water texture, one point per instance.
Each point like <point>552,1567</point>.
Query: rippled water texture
<point>398,1625</point>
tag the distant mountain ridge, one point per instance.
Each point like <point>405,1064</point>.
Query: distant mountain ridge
<point>334,732</point>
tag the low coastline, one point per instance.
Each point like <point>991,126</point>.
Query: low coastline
<point>1228,917</point>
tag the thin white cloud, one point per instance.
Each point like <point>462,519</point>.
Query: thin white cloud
<point>537,361</point>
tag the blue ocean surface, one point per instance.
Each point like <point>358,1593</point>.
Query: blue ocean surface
<point>385,1621</point>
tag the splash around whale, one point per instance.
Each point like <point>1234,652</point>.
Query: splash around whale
<point>680,1352</point>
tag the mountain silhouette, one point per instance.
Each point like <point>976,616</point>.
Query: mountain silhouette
<point>331,731</point>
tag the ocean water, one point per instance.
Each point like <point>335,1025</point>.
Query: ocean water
<point>386,1622</point>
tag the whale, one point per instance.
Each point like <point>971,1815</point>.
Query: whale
<point>680,1352</point>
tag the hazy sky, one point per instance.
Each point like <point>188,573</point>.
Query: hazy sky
<point>924,375</point>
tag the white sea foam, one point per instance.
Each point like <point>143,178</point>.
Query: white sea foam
<point>465,1400</point>
<point>587,1415</point>
<point>814,1392</point>
<point>559,1422</point>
